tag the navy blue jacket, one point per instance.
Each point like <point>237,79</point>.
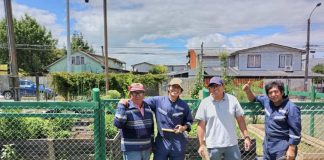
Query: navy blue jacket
<point>137,132</point>
<point>281,122</point>
<point>169,114</point>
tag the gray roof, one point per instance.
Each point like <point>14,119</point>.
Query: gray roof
<point>270,44</point>
<point>245,73</point>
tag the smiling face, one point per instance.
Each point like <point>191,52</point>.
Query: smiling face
<point>137,96</point>
<point>275,95</point>
<point>174,91</point>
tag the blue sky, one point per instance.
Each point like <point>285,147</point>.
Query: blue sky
<point>165,29</point>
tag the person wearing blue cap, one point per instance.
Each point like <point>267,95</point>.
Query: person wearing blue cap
<point>282,121</point>
<point>216,129</point>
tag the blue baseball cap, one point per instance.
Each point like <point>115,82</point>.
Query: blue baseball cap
<point>215,80</point>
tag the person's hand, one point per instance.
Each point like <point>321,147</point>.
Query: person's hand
<point>203,152</point>
<point>124,102</point>
<point>179,128</point>
<point>290,154</point>
<point>247,86</point>
<point>247,144</point>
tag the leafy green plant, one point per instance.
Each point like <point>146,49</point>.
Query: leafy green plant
<point>37,127</point>
<point>72,85</point>
<point>112,94</point>
<point>111,130</point>
<point>158,69</point>
<point>8,152</point>
<point>194,93</point>
<point>14,128</point>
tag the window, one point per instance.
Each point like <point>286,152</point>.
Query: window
<point>254,61</point>
<point>232,61</point>
<point>73,60</point>
<point>77,60</point>
<point>82,60</point>
<point>285,60</point>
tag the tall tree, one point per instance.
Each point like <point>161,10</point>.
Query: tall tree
<point>36,48</point>
<point>78,43</point>
<point>319,68</point>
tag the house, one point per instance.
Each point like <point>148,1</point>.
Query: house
<point>142,67</point>
<point>265,62</point>
<point>87,62</point>
<point>176,67</point>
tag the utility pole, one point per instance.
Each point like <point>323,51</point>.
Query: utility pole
<point>105,50</point>
<point>307,47</point>
<point>106,45</point>
<point>201,58</point>
<point>13,78</point>
<point>68,47</point>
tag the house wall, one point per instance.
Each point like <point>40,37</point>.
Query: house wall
<point>270,58</point>
<point>115,64</point>
<point>211,61</point>
<point>60,66</point>
<point>176,68</point>
<point>143,67</point>
<point>89,65</point>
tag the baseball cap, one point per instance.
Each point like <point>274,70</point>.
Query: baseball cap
<point>176,81</point>
<point>215,80</point>
<point>136,87</point>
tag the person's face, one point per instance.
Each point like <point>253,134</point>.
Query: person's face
<point>275,95</point>
<point>137,96</point>
<point>216,90</point>
<point>174,90</point>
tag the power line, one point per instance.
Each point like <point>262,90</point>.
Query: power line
<point>29,46</point>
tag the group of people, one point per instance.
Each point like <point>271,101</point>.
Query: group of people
<point>216,129</point>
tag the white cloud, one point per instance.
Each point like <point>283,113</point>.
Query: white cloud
<point>137,23</point>
<point>43,17</point>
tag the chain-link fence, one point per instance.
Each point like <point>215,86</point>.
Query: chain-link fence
<point>73,130</point>
<point>311,145</point>
<point>51,130</point>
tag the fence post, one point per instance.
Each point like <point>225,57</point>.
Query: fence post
<point>312,124</point>
<point>312,115</point>
<point>286,90</point>
<point>313,94</point>
<point>99,127</point>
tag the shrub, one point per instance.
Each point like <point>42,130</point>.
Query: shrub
<point>111,130</point>
<point>112,94</point>
<point>37,127</point>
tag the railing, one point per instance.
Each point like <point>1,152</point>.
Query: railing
<point>77,130</point>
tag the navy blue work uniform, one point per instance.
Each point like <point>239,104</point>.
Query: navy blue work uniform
<point>168,114</point>
<point>282,127</point>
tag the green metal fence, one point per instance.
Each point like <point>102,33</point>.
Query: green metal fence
<point>84,130</point>
<point>52,130</point>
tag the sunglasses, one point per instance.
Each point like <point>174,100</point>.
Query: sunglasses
<point>137,93</point>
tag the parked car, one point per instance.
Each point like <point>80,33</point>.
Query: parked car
<point>28,89</point>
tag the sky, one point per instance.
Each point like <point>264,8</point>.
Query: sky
<point>162,31</point>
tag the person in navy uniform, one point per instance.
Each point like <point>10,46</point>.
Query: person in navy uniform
<point>282,122</point>
<point>135,122</point>
<point>173,118</point>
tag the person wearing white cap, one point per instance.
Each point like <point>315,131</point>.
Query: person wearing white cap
<point>216,129</point>
<point>136,125</point>
<point>173,118</point>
